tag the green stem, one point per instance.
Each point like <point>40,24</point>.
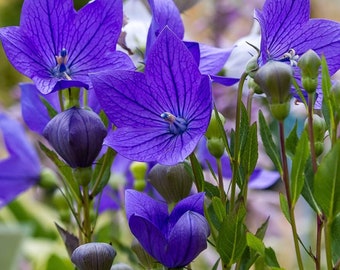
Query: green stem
<point>285,178</point>
<point>86,212</point>
<point>236,157</point>
<point>319,221</point>
<point>328,245</point>
<point>220,181</point>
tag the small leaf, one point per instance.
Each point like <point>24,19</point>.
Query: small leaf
<point>71,242</point>
<point>219,208</point>
<point>271,259</point>
<point>249,154</point>
<point>256,244</point>
<point>291,141</point>
<point>298,167</point>
<point>284,207</point>
<point>327,106</point>
<point>327,183</point>
<point>198,173</point>
<point>268,143</point>
<point>335,239</point>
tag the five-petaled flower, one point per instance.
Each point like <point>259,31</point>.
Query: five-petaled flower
<point>57,46</point>
<point>19,162</point>
<point>287,32</point>
<point>174,240</point>
<point>161,114</point>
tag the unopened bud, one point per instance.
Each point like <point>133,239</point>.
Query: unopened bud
<point>93,256</point>
<point>309,63</point>
<point>138,170</point>
<point>76,135</point>
<point>214,129</point>
<point>275,80</point>
<point>174,183</point>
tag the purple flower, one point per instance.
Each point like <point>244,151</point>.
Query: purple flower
<point>161,114</point>
<point>174,240</point>
<point>19,162</point>
<point>57,46</point>
<point>287,32</point>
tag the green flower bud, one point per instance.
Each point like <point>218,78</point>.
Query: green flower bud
<point>253,85</point>
<point>48,179</point>
<point>319,147</point>
<point>214,130</point>
<point>93,256</point>
<point>310,63</point>
<point>138,170</point>
<point>335,92</point>
<point>172,182</point>
<point>275,80</point>
<point>319,127</point>
<point>216,147</point>
<point>252,66</point>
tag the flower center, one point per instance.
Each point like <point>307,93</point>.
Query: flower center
<point>290,56</point>
<point>177,125</point>
<point>61,70</point>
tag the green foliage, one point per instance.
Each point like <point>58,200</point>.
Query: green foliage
<point>268,143</point>
<point>327,183</point>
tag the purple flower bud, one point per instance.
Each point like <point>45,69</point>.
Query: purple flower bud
<point>77,136</point>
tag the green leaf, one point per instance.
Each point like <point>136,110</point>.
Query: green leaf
<point>327,106</point>
<point>260,232</point>
<point>65,170</point>
<point>256,244</point>
<point>271,259</point>
<point>222,132</point>
<point>268,143</point>
<point>56,263</point>
<point>335,239</point>
<point>211,190</point>
<point>284,207</point>
<point>291,141</point>
<point>327,183</point>
<point>198,173</point>
<point>298,167</point>
<point>308,188</point>
<point>102,171</point>
<point>231,241</point>
<point>219,208</point>
<point>249,154</point>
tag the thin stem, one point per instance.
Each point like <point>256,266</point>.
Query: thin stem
<point>236,157</point>
<point>319,221</point>
<point>285,178</point>
<point>86,211</point>
<point>220,181</point>
<point>328,246</point>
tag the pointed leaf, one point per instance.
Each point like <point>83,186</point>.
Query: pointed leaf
<point>327,183</point>
<point>298,167</point>
<point>268,143</point>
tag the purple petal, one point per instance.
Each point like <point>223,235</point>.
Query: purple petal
<point>155,212</point>
<point>149,236</point>
<point>262,179</point>
<point>212,59</point>
<point>194,203</point>
<point>21,169</point>
<point>279,21</point>
<point>34,112</point>
<point>186,240</point>
<point>164,13</point>
<point>224,80</point>
<point>194,48</point>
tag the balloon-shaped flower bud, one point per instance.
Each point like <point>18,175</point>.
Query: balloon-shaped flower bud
<point>335,93</point>
<point>309,63</point>
<point>172,182</point>
<point>275,80</point>
<point>252,66</point>
<point>93,256</point>
<point>214,135</point>
<point>138,170</point>
<point>254,86</point>
<point>319,129</point>
<point>76,135</point>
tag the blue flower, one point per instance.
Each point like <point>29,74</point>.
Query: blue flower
<point>19,162</point>
<point>57,46</point>
<point>174,240</point>
<point>161,114</point>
